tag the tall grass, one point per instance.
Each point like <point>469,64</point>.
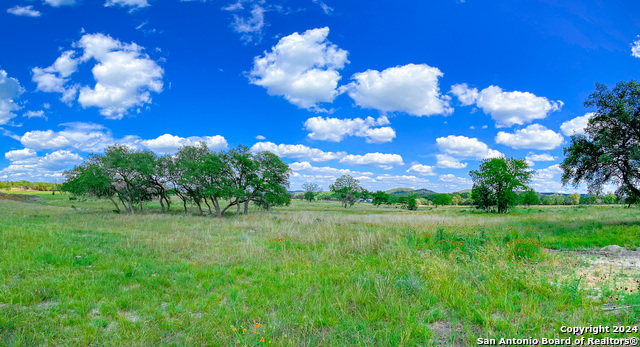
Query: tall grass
<point>75,273</point>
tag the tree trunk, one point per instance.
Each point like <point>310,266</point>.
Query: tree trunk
<point>216,205</point>
<point>162,204</point>
<point>168,201</point>
<point>184,202</point>
<point>246,207</point>
<point>207,203</point>
<point>237,209</point>
<point>123,203</point>
<point>230,204</point>
<point>141,207</point>
<point>130,207</point>
<point>199,207</point>
<point>114,203</point>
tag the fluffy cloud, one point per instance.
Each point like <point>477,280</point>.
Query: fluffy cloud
<point>84,137</point>
<point>89,137</point>
<point>20,154</point>
<point>424,170</point>
<point>381,160</point>
<point>26,11</point>
<point>305,166</point>
<point>465,147</point>
<point>335,130</point>
<point>134,4</point>
<point>34,114</point>
<point>169,144</point>
<point>411,88</point>
<point>458,181</point>
<point>10,89</point>
<point>449,162</point>
<point>54,78</point>
<point>57,3</point>
<point>507,108</point>
<point>260,138</point>
<point>534,136</point>
<point>124,75</point>
<point>25,164</point>
<point>635,48</point>
<point>547,180</point>
<point>467,96</point>
<point>297,151</point>
<point>540,157</point>
<point>577,125</point>
<point>248,23</point>
<point>303,68</point>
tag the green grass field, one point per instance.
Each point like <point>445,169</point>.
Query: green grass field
<point>72,272</point>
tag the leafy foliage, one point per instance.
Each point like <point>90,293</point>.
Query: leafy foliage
<point>346,189</point>
<point>442,199</point>
<point>497,181</point>
<point>529,197</point>
<point>194,174</point>
<point>609,151</point>
<point>310,190</point>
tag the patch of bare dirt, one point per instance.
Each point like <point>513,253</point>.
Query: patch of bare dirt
<point>612,267</point>
<point>445,333</point>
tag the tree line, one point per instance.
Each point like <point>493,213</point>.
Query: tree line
<point>195,175</point>
<point>26,185</point>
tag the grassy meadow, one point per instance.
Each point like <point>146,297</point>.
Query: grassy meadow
<point>73,272</point>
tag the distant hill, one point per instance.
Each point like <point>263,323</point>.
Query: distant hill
<point>409,191</point>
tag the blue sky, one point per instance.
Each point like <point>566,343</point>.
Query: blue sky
<point>395,93</point>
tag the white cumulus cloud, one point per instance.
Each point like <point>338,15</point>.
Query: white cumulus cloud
<point>381,160</point>
<point>547,179</point>
<point>465,147</point>
<point>507,108</point>
<point>411,88</point>
<point>305,166</point>
<point>449,162</point>
<point>535,136</point>
<point>297,151</point>
<point>10,90</point>
<point>26,165</point>
<point>335,130</point>
<point>577,125</point>
<point>424,170</point>
<point>169,144</point>
<point>303,68</point>
<point>20,154</point>
<point>35,114</point>
<point>125,76</point>
<point>249,23</point>
<point>540,157</point>
<point>460,181</point>
<point>26,11</point>
<point>134,4</point>
<point>635,48</point>
<point>84,137</point>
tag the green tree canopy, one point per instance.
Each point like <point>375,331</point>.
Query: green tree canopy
<point>497,181</point>
<point>441,199</point>
<point>529,197</point>
<point>310,190</point>
<point>609,150</point>
<point>346,189</point>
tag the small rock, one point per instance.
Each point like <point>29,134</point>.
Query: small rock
<point>613,249</point>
